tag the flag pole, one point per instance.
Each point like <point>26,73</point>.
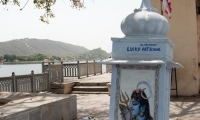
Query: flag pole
<point>161,10</point>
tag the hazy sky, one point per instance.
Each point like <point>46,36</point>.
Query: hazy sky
<point>91,27</point>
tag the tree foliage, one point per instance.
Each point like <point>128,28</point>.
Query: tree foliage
<point>9,57</point>
<point>1,58</point>
<point>35,57</point>
<point>45,5</point>
<point>95,54</point>
<point>54,58</point>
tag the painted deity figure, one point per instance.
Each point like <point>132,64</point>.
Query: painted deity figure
<point>138,107</point>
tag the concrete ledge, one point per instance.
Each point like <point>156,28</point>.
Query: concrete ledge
<point>41,106</point>
<point>62,88</point>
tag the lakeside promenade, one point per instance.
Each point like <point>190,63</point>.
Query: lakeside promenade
<point>97,105</point>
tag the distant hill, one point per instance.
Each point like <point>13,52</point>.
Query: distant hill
<point>27,47</point>
<point>94,54</point>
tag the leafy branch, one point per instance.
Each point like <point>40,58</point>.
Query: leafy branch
<point>45,5</point>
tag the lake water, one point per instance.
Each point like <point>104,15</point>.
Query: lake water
<point>19,69</point>
<point>23,69</point>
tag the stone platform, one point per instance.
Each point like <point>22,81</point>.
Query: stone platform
<point>40,106</point>
<point>182,108</point>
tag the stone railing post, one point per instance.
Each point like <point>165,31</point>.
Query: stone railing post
<point>43,67</point>
<point>49,63</point>
<point>14,82</point>
<point>101,69</point>
<point>87,67</point>
<point>33,89</point>
<point>62,80</point>
<point>94,67</point>
<point>48,80</point>
<point>78,69</point>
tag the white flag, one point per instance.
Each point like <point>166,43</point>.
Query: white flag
<point>167,7</point>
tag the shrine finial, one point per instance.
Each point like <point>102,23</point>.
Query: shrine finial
<point>145,4</point>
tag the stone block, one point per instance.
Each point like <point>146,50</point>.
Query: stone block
<point>35,115</point>
<point>62,88</point>
<point>22,117</point>
<point>130,48</point>
<point>45,113</point>
<point>40,106</point>
<point>56,112</point>
<point>65,112</point>
<point>73,108</point>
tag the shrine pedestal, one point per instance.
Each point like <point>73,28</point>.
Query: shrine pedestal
<point>137,84</point>
<point>141,67</point>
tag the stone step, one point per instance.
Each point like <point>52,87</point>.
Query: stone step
<point>91,83</point>
<point>88,92</point>
<point>90,88</point>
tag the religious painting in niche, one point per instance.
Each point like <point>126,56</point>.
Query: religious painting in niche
<point>136,97</point>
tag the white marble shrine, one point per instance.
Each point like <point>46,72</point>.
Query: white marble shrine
<point>141,67</point>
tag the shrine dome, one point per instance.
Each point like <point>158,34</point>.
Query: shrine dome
<point>145,21</point>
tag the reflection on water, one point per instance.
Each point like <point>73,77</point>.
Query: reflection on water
<point>19,69</point>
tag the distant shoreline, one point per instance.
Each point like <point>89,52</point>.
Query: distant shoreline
<point>23,62</point>
<point>40,62</point>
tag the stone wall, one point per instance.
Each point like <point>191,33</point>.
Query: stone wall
<point>61,88</point>
<point>44,106</point>
<point>198,41</point>
<point>183,33</point>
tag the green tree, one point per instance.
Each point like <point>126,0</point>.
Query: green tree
<point>70,58</point>
<point>55,58</point>
<point>45,5</point>
<point>6,57</point>
<point>1,58</point>
<point>94,54</point>
<point>37,57</point>
<point>32,57</point>
<point>10,58</point>
<point>21,58</point>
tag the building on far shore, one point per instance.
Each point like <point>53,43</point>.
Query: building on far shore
<point>185,34</point>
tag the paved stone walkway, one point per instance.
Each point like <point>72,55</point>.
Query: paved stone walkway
<point>106,77</point>
<point>97,106</point>
<point>93,105</point>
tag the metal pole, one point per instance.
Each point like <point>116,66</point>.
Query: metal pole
<point>161,8</point>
